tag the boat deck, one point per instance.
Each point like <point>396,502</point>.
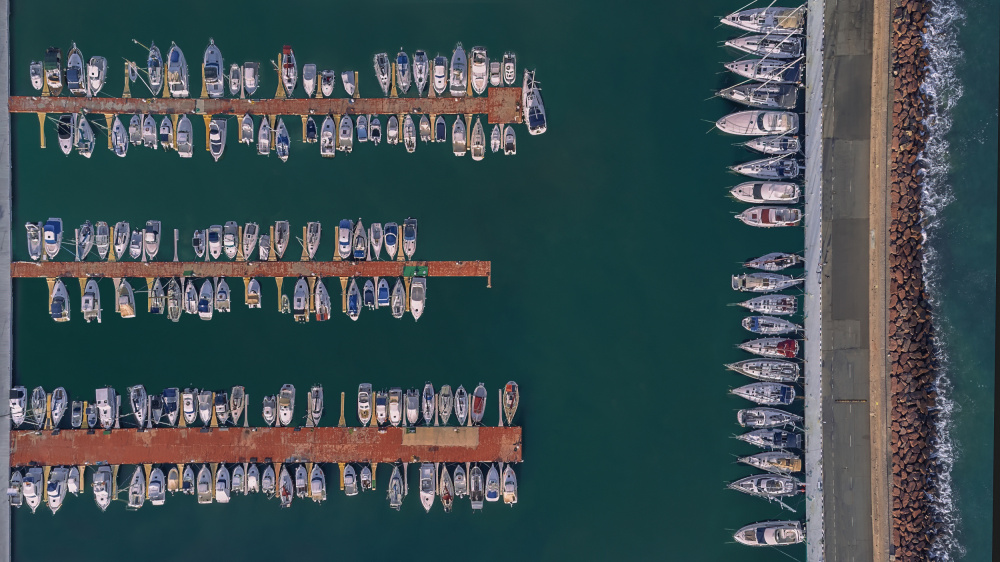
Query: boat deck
<point>500,105</point>
<point>266,444</point>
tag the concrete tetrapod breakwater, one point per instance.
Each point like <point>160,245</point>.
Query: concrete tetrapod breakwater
<point>910,341</point>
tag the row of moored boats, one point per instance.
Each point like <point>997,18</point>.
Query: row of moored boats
<point>772,70</point>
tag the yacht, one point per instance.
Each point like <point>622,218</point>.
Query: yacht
<point>409,237</point>
<point>381,61</point>
<point>461,405</point>
<point>119,138</point>
<point>398,299</point>
<point>235,79</point>
<point>76,414</point>
<point>253,287</point>
<point>328,138</point>
<point>301,484</point>
<point>140,404</point>
<point>772,20</point>
<point>313,232</point>
<point>185,140</point>
<point>777,145</point>
<point>250,234</point>
<point>764,96</point>
<point>286,488</point>
<point>102,239</point>
<point>166,133</point>
<point>317,482</point>
<point>327,80</point>
<point>774,261</point>
<point>323,303</point>
<point>447,490</point>
<point>91,302</point>
<point>36,74</point>
<point>58,405</point>
<point>773,168</point>
<point>768,486</point>
<point>34,232</point>
<point>766,418</point>
<point>770,46</point>
<point>767,192</point>
<point>427,485</point>
<point>212,69</point>
<point>187,480</point>
<point>346,134</point>
<point>84,137</point>
<point>353,300</point>
<point>56,488</point>
<point>204,485</point>
<point>215,241</point>
<point>246,129</point>
<point>239,480</point>
<point>509,486</point>
<point>223,484</point>
<point>84,240</point>
<point>420,71</point>
<point>770,533</point>
<point>135,245</point>
<point>107,407</point>
<point>775,462</point>
<point>375,240</point>
<point>780,348</point>
<point>362,128</point>
<point>509,141</point>
<point>769,217</point>
<point>18,405</point>
<point>170,409</point>
<point>103,486</point>
<point>459,74</point>
<point>347,79</point>
<point>493,484</point>
<point>478,141</point>
<point>59,302</point>
<point>425,129</point>
<point>770,70</point>
<point>188,408</point>
<point>315,404</point>
<point>157,490</point>
<point>206,300</point>
<point>38,404</point>
<point>382,293</point>
<point>97,70</point>
<point>289,70</point>
<point>217,138</point>
<point>764,282</point>
<point>222,295</point>
<point>365,403</point>
<point>769,325</point>
<point>151,238</point>
<point>222,408</point>
<point>350,481</point>
<point>137,489</point>
<point>392,130</point>
<point>532,108</point>
<point>480,72</point>
<point>511,398</point>
<point>395,488</point>
<point>281,140</point>
<point>458,137</point>
<point>300,300</point>
<point>418,297</point>
<point>281,234</point>
<point>509,68</point>
<point>32,487</point>
<point>264,137</point>
<point>478,404</point>
<point>403,71</point>
<point>52,67</point>
<point>177,73</point>
<point>409,134</point>
<point>309,79</point>
<point>395,406</point>
<point>427,404</point>
<point>495,79</point>
<point>311,130</point>
<point>154,69</point>
<point>375,129</point>
<point>461,482</point>
<point>390,236</point>
<point>230,235</point>
<point>772,304</point>
<point>412,406</point>
<point>286,404</point>
<point>495,139</point>
<point>345,233</point>
<point>251,77</point>
<point>766,393</point>
<point>445,403</point>
<point>440,74</point>
<point>76,76</point>
<point>381,408</point>
<point>360,241</point>
<point>198,243</point>
<point>253,479</point>
<point>476,488</point>
<point>270,410</point>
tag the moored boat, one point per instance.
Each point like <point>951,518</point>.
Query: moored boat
<point>781,348</point>
<point>770,533</point>
<point>532,108</point>
<point>375,129</point>
<point>52,235</point>
<point>772,19</point>
<point>770,217</point>
<point>409,237</point>
<point>235,79</point>
<point>289,70</point>
<point>286,488</point>
<point>282,142</point>
<point>309,79</point>
<point>253,288</point>
<point>773,168</point>
<point>251,77</point>
<point>412,406</point>
<point>251,231</point>
<point>493,484</point>
<point>212,70</point>
<point>427,404</point>
<point>286,404</point>
<point>327,81</point>
<point>773,370</point>
<point>776,462</point>
<point>772,439</point>
<point>184,138</point>
<point>758,122</point>
<point>769,486</point>
<point>346,134</point>
<point>770,325</point>
<point>771,46</point>
<point>395,406</point>
<point>461,405</point>
<point>774,70</point>
<point>381,62</point>
<point>361,127</point>
<point>392,130</point>
<point>97,70</point>
<point>764,96</point>
<point>447,490</point>
<point>365,403</point>
<point>427,485</point>
<point>230,238</point>
<point>478,404</point>
<point>495,79</point>
<point>52,68</point>
<point>36,74</point>
<point>315,404</point>
<point>777,145</point>
<point>76,75</point>
<point>477,486</point>
<point>409,134</point>
<point>764,282</point>
<point>264,137</point>
<point>269,411</point>
<point>478,141</point>
<point>772,304</point>
<point>459,75</point>
<point>509,486</point>
<point>446,402</point>
<point>511,397</point>
<point>328,138</point>
<point>418,297</point>
<point>157,487</point>
<point>766,418</point>
<point>509,68</point>
<point>440,74</point>
<point>420,71</point>
<point>347,79</point>
<point>137,489</point>
<point>217,138</point>
<point>479,71</point>
<point>398,299</point>
<point>395,489</point>
<point>767,192</point>
<point>313,233</point>
<point>495,139</point>
<point>166,133</point>
<point>403,71</point>
<point>177,73</point>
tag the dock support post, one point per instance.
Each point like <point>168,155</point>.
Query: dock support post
<point>278,281</point>
<point>343,420</point>
<point>111,250</point>
<point>110,119</point>
<point>177,236</point>
<point>126,93</point>
<point>357,91</point>
<point>46,470</point>
<point>343,294</point>
<point>468,128</point>
<point>204,86</point>
<point>85,425</point>
<point>336,236</point>
<point>406,283</point>
<point>312,294</point>
<point>341,466</point>
<point>305,119</point>
<point>305,245</point>
<point>239,244</point>
<point>270,254</point>
<point>279,94</point>
<point>149,294</point>
<point>246,293</point>
<point>148,468</point>
<point>41,130</point>
<point>406,479</point>
<point>208,123</point>
<point>214,466</point>
<point>430,86</point>
<point>51,282</point>
<point>213,423</point>
<point>48,411</point>
<point>433,128</point>
<point>336,138</point>
<point>392,78</point>
<point>373,465</point>
<point>173,119</point>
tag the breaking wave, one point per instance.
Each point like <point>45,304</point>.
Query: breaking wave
<point>943,89</point>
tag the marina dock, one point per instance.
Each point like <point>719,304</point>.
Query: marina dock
<point>265,444</point>
<point>501,105</point>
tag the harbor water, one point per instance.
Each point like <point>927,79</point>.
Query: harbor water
<point>612,240</point>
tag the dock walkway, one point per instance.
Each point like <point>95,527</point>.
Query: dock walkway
<point>77,447</point>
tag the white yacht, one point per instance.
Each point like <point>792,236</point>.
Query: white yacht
<point>425,128</point>
<point>151,238</point>
<point>775,46</point>
<point>253,289</point>
<point>281,234</point>
<point>459,140</point>
<point>353,300</point>
<point>478,144</point>
<point>34,232</point>
<point>327,81</point>
<point>317,483</point>
<point>461,482</point>
<point>154,69</point>
<point>403,71</point>
<point>269,412</point>
<point>59,302</point>
<point>76,75</point>
<point>103,486</point>
<point>767,192</point>
<point>509,68</point>
<point>398,300</point>
<point>185,138</point>
<point>119,138</point>
<point>157,487</point>
<point>289,70</point>
<point>300,300</point>
<point>230,233</point>
<point>495,139</point>
<point>301,483</point>
<point>222,484</point>
<point>461,405</point>
<point>223,301</point>
<point>771,20</point>
<point>509,141</point>
<point>347,79</point>
<point>251,232</point>
<point>532,108</point>
<point>350,480</point>
<point>206,300</point>
<point>375,240</point>
<point>447,490</point>
<point>323,303</point>
<point>440,74</point>
<point>390,236</point>
<point>286,404</point>
<point>493,484</point>
<point>409,134</point>
<point>420,71</point>
<point>55,488</point>
<point>239,481</point>
<point>509,486</point>
<point>381,408</point>
<point>215,241</point>
<point>309,79</point>
<point>66,130</point>
<point>107,407</point>
<point>315,404</point>
<point>177,73</point>
<point>235,79</point>
<point>395,487</point>
<point>381,62</point>
<point>137,489</point>
<point>264,138</point>
<point>392,130</point>
<point>395,406</point>
<point>446,401</point>
<point>476,488</point>
<point>314,230</point>
<point>32,487</point>
<point>459,74</point>
<point>328,138</point>
<point>757,122</point>
<point>495,79</point>
<point>364,403</point>
<point>418,297</point>
<point>361,126</point>
<point>427,485</point>
<point>281,140</point>
<point>97,70</point>
<point>217,138</point>
<point>286,488</point>
<point>166,133</point>
<point>346,134</point>
<point>251,77</point>
<point>480,69</point>
<point>58,405</point>
<point>204,485</point>
<point>35,72</point>
<point>770,533</point>
<point>246,129</point>
<point>409,237</point>
<point>212,69</point>
<point>18,405</point>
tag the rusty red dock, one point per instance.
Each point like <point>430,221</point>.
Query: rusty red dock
<point>500,105</point>
<point>284,444</point>
<point>122,269</point>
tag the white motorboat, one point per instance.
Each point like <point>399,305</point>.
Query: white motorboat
<point>360,241</point>
<point>217,138</point>
<point>309,79</point>
<point>767,192</point>
<point>286,404</point>
<point>477,486</point>
<point>157,487</point>
<point>395,494</point>
<point>106,402</point>
<point>461,482</point>
<point>66,130</point>
<point>76,75</point>
<point>458,136</point>
<point>770,217</point>
<point>253,479</point>
<point>222,295</point>
<point>34,232</point>
<point>286,488</point>
<point>495,139</point>
<point>102,239</point>
<point>230,235</point>
<point>532,108</point>
<point>365,403</point>
<point>425,128</point>
<point>381,408</point>
<point>126,299</point>
<point>346,134</point>
<point>212,71</point>
<point>205,485</point>
<point>250,233</point>
<point>347,79</point>
<point>214,236</point>
<point>418,297</point>
<point>509,68</point>
<point>246,129</point>
<point>35,72</point>
<point>381,61</point>
<point>282,142</point>
<point>328,138</point>
<point>239,480</point>
<point>18,405</point>
<point>52,68</point>
<point>154,69</point>
<point>382,293</point>
<point>412,407</point>
<point>420,71</point>
<point>495,79</point>
<point>509,141</point>
<point>398,300</point>
<point>103,486</point>
<point>395,406</point>
<point>251,77</point>
<point>493,484</point>
<point>478,141</point>
<point>289,70</point>
<point>461,405</point>
<point>264,138</point>
<point>151,238</point>
<point>390,237</point>
<point>206,300</point>
<point>353,300</point>
<point>409,237</point>
<point>773,168</point>
<point>459,72</point>
<point>327,81</point>
<point>345,238</point>
<point>311,136</point>
<point>374,240</point>
<point>375,129</point>
<point>301,482</point>
<point>392,130</point>
<point>772,20</point>
<point>440,74</point>
<point>427,485</point>
<point>362,128</point>
<point>119,138</point>
<point>185,138</point>
<point>170,405</point>
<point>315,405</point>
<point>270,410</point>
<point>770,533</point>
<point>137,489</point>
<point>135,244</point>
<point>776,46</point>
<point>446,401</point>
<point>427,404</point>
<point>177,73</point>
<point>188,483</point>
<point>97,70</point>
<point>58,405</point>
<point>317,482</point>
<point>235,79</point>
<point>223,484</point>
<point>480,69</point>
<point>409,134</point>
<point>509,486</point>
<point>166,133</point>
<point>322,301</point>
<point>59,302</point>
<point>300,300</point>
<point>403,71</point>
<point>253,288</point>
<point>32,487</point>
<point>281,236</point>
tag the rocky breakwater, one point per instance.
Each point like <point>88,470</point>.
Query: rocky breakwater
<point>910,341</point>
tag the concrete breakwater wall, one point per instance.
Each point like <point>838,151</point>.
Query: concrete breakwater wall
<point>910,331</point>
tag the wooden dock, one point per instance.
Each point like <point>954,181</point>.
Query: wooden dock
<point>152,269</point>
<point>500,105</point>
<point>283,444</point>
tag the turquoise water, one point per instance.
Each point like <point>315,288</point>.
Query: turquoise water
<point>612,243</point>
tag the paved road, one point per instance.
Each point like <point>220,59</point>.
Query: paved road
<point>846,235</point>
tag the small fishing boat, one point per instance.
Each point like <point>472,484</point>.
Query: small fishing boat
<point>206,300</point>
<point>773,70</point>
<point>281,236</point>
<point>493,484</point>
<point>157,489</point>
<point>777,145</point>
<point>246,129</point>
<point>459,74</point>
<point>381,408</point>
<point>495,139</point>
<point>251,77</point>
<point>286,488</point>
<point>76,76</point>
<point>532,108</point>
<point>235,79</point>
<point>365,403</point>
<point>398,300</point>
<point>137,489</point>
<point>250,234</point>
<point>409,134</point>
<point>461,405</point>
<point>758,122</point>
<point>327,81</point>
<point>480,72</point>
<point>347,79</point>
<point>458,138</point>
<point>222,295</point>
<point>427,405</point>
<point>311,130</point>
<point>773,168</point>
<point>315,404</point>
<point>769,325</point>
<point>440,74</point>
<point>772,304</point>
<point>425,129</point>
<point>270,410</point>
<point>781,348</point>
<point>362,128</point>
<point>59,302</point>
<point>59,403</point>
<point>76,414</point>
<point>126,299</point>
<point>281,140</point>
<point>317,483</point>
<point>412,406</point>
<point>289,70</point>
<point>511,397</point>
<point>770,217</point>
<point>403,71</point>
<point>495,73</point>
<point>368,294</point>
<point>166,133</point>
<point>461,482</point>
<point>84,240</point>
<point>771,370</point>
<point>775,462</point>
<point>420,71</point>
<point>138,400</point>
<point>309,79</point>
<point>478,141</point>
<point>198,243</point>
<point>239,479</point>
<point>381,61</point>
<point>204,485</point>
<point>353,300</point>
<point>769,486</point>
<point>427,485</point>
<point>764,282</point>
<point>390,236</point>
<point>418,297</point>
<point>478,404</point>
<point>264,138</point>
<point>409,237</point>
<point>206,399</point>
<point>217,138</point>
<point>509,486</point>
<point>301,485</point>
<point>767,192</point>
<point>382,293</point>
<point>223,484</point>
<point>185,139</point>
<point>764,96</point>
<point>395,494</point>
<point>107,406</point>
<point>773,20</point>
<point>52,67</point>
<point>375,129</point>
<point>395,406</point>
<point>447,490</point>
<point>236,402</point>
<point>509,68</point>
<point>770,533</point>
<point>230,237</point>
<point>151,238</point>
<point>97,70</point>
<point>18,405</point>
<point>346,135</point>
<point>392,133</point>
<point>253,287</point>
<point>212,70</point>
<point>253,479</point>
<point>36,74</point>
<point>766,418</point>
<point>476,487</point>
<point>286,404</point>
<point>300,301</point>
<point>770,46</point>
